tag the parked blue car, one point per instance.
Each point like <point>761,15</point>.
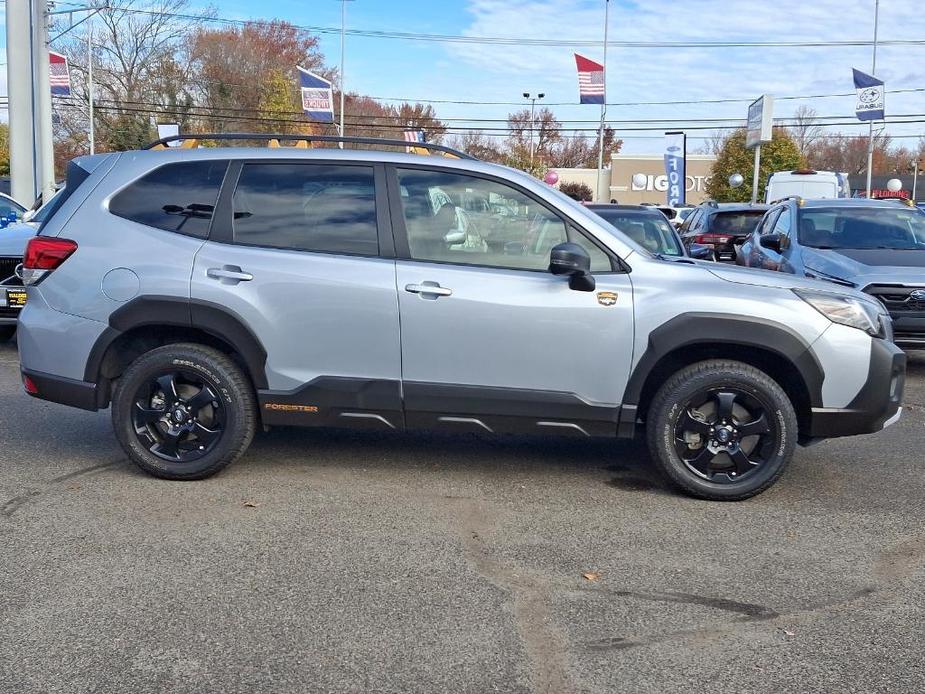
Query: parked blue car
<point>877,246</point>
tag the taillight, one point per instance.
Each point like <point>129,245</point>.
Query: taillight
<point>711,238</point>
<point>44,254</point>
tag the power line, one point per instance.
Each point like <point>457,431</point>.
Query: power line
<point>178,112</point>
<point>525,41</point>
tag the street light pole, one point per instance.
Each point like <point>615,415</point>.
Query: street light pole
<point>532,121</point>
<point>343,36</point>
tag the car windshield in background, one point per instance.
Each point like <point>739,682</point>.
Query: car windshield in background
<point>737,222</point>
<point>651,231</point>
<point>860,228</point>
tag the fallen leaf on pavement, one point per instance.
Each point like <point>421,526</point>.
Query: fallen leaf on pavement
<point>592,575</point>
<point>788,632</point>
<point>251,504</point>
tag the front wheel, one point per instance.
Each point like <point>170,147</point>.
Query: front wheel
<point>183,411</point>
<point>721,430</point>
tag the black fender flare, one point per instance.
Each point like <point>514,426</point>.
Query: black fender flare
<point>214,319</point>
<point>689,329</point>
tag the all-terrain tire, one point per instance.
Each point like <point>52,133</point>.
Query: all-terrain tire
<point>198,362</point>
<point>689,384</point>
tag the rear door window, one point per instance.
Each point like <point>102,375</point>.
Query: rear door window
<point>328,208</point>
<point>176,197</point>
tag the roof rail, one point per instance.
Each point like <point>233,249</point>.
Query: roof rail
<point>711,203</point>
<point>446,151</point>
<point>798,198</point>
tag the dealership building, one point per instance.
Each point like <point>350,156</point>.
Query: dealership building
<point>639,178</point>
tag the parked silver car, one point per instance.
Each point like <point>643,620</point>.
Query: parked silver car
<point>204,292</point>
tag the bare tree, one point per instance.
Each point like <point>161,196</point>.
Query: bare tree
<point>713,143</point>
<point>805,130</point>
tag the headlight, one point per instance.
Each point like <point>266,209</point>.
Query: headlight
<point>846,310</point>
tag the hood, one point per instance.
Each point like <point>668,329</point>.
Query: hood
<point>868,265</point>
<point>777,280</point>
<point>13,239</point>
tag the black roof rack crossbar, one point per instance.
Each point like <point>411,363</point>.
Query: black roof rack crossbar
<point>309,138</point>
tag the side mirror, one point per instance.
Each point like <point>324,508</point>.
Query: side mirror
<point>572,260</point>
<point>700,252</point>
<point>773,242</point>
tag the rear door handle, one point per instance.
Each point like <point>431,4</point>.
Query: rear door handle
<point>427,289</point>
<point>229,274</point>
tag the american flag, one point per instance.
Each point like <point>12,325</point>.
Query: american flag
<point>590,81</point>
<point>413,136</point>
<point>58,74</point>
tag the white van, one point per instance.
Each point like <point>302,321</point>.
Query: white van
<point>807,184</point>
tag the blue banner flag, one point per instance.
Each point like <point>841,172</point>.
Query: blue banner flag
<point>317,97</point>
<point>676,167</point>
<point>870,102</point>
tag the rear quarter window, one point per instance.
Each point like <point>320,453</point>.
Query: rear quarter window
<point>177,197</point>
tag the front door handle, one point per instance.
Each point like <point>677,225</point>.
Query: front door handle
<point>428,289</point>
<point>229,274</point>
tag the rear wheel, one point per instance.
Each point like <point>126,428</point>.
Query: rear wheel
<point>722,430</point>
<point>183,411</point>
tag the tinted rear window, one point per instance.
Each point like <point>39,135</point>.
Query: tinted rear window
<point>738,222</point>
<point>307,207</point>
<point>177,197</point>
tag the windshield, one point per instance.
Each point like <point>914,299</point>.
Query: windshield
<point>864,227</point>
<point>651,231</point>
<point>737,222</point>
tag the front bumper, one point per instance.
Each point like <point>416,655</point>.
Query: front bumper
<point>877,404</point>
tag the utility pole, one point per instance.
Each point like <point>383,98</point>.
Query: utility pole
<point>870,131</point>
<point>43,97</point>
<point>600,152</point>
<point>92,131</point>
<point>532,120</point>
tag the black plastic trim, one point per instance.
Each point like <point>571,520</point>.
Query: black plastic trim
<point>222,229</point>
<point>717,329</point>
<point>65,391</point>
<point>877,401</point>
<point>505,409</point>
<point>212,318</point>
<point>324,400</point>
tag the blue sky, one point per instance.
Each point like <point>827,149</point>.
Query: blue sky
<point>479,72</point>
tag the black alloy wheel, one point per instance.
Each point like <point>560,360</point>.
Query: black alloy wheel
<point>725,434</point>
<point>178,416</point>
<point>721,430</point>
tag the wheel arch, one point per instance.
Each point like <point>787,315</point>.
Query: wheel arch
<point>149,322</point>
<point>771,347</point>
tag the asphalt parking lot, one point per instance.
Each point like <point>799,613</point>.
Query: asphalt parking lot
<point>334,561</point>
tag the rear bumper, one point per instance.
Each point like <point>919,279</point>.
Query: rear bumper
<point>875,406</point>
<point>65,391</point>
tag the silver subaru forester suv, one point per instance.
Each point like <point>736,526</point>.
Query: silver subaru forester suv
<point>202,293</point>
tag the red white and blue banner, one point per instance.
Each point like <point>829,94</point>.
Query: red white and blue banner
<point>870,101</point>
<point>59,76</point>
<point>676,167</point>
<point>317,97</point>
<point>590,81</point>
